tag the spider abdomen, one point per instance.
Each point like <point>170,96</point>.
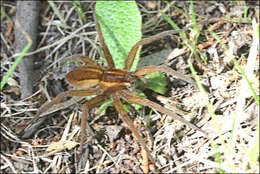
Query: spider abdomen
<point>85,76</point>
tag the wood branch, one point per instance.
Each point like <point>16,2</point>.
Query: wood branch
<point>28,16</point>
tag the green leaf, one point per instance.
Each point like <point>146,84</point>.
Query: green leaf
<point>104,105</point>
<point>120,23</point>
<point>156,82</point>
<point>141,94</point>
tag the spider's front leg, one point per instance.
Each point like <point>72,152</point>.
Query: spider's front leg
<point>104,47</point>
<point>131,55</point>
<point>151,69</point>
<point>133,98</point>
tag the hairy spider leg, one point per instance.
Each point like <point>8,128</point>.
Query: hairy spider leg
<point>89,61</point>
<point>104,47</point>
<point>120,109</point>
<point>84,59</point>
<point>85,114</point>
<point>133,98</point>
<point>151,69</point>
<point>60,97</point>
<point>131,55</point>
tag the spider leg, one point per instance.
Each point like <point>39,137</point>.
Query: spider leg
<point>89,61</point>
<point>120,109</point>
<point>58,99</point>
<point>85,113</point>
<point>131,55</point>
<point>104,47</point>
<point>133,98</point>
<point>151,69</point>
<point>84,59</point>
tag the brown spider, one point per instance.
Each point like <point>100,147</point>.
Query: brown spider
<point>115,83</point>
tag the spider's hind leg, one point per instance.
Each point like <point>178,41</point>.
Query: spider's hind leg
<point>27,131</point>
<point>85,114</point>
<point>89,61</point>
<point>85,59</point>
<point>119,107</point>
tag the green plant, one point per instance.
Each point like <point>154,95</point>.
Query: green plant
<point>121,24</point>
<point>191,42</point>
<point>17,61</point>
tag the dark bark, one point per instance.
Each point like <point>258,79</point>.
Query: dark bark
<point>27,15</point>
